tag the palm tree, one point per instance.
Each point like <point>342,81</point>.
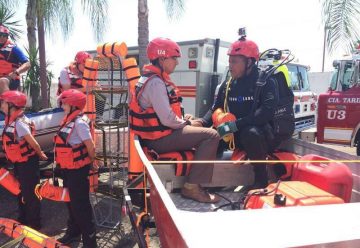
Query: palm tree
<point>6,18</point>
<point>174,10</point>
<point>342,23</point>
<point>46,16</point>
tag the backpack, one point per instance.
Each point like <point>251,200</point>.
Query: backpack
<point>283,123</point>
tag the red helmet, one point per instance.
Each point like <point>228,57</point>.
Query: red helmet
<point>15,97</point>
<point>245,48</point>
<point>4,30</point>
<point>162,48</point>
<point>81,57</point>
<point>73,98</point>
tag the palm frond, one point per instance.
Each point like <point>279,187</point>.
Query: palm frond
<point>97,11</point>
<point>341,18</point>
<point>7,19</point>
<point>174,8</point>
<point>56,14</point>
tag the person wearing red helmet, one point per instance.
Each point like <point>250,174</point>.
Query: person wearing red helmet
<point>156,116</point>
<point>13,62</point>
<point>23,151</point>
<point>254,128</point>
<point>71,76</point>
<point>74,154</point>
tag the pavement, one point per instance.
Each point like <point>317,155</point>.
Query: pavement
<point>113,229</point>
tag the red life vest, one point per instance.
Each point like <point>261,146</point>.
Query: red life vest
<point>7,67</point>
<point>16,150</point>
<point>146,123</point>
<point>75,80</point>
<point>66,155</point>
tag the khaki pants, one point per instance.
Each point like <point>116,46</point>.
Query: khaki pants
<point>204,140</point>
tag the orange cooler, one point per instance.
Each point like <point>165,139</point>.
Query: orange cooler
<point>297,194</point>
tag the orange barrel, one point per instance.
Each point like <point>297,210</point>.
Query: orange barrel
<point>132,71</point>
<point>49,191</point>
<point>9,182</point>
<point>112,49</point>
<point>89,83</point>
<point>94,177</point>
<point>333,177</point>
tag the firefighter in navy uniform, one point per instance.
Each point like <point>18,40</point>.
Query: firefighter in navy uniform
<point>13,62</point>
<point>156,116</point>
<point>24,152</point>
<point>254,128</point>
<point>74,153</point>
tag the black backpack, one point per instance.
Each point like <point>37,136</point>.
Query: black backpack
<point>283,123</point>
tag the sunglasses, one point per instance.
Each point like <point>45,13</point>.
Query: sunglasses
<point>3,35</point>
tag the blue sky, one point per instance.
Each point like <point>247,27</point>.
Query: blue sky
<point>295,25</point>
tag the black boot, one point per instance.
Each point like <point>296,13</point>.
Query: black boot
<point>69,238</point>
<point>89,240</point>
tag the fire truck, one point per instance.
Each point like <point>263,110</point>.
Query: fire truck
<point>339,108</point>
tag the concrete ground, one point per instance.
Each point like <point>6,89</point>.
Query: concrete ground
<point>107,209</point>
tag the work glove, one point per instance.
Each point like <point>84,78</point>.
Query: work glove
<point>226,128</point>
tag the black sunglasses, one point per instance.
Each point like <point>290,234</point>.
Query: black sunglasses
<point>4,35</point>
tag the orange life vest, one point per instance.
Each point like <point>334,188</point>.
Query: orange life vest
<point>66,155</point>
<point>9,182</point>
<point>75,80</point>
<point>27,236</point>
<point>181,169</point>
<point>16,151</point>
<point>146,123</point>
<point>50,191</point>
<point>7,67</point>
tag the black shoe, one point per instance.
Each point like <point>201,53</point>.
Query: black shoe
<point>69,238</point>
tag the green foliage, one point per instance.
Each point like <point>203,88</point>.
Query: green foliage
<point>32,79</point>
<point>6,18</point>
<point>341,19</point>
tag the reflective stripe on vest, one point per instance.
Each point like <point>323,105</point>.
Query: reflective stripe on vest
<point>66,155</point>
<point>146,123</point>
<point>7,67</point>
<point>17,151</point>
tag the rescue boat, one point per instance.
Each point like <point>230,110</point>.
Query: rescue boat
<point>317,206</point>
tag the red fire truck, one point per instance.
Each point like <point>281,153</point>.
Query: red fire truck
<point>339,108</point>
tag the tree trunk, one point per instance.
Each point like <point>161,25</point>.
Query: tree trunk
<point>31,24</point>
<point>42,56</point>
<point>143,31</point>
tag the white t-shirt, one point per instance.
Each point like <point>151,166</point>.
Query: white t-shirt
<point>80,133</point>
<point>22,128</point>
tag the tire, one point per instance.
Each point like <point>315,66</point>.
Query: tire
<point>358,148</point>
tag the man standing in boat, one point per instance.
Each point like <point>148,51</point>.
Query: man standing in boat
<point>254,108</point>
<point>13,62</point>
<point>156,116</point>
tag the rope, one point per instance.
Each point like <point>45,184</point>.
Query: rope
<point>252,161</point>
<point>230,137</point>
